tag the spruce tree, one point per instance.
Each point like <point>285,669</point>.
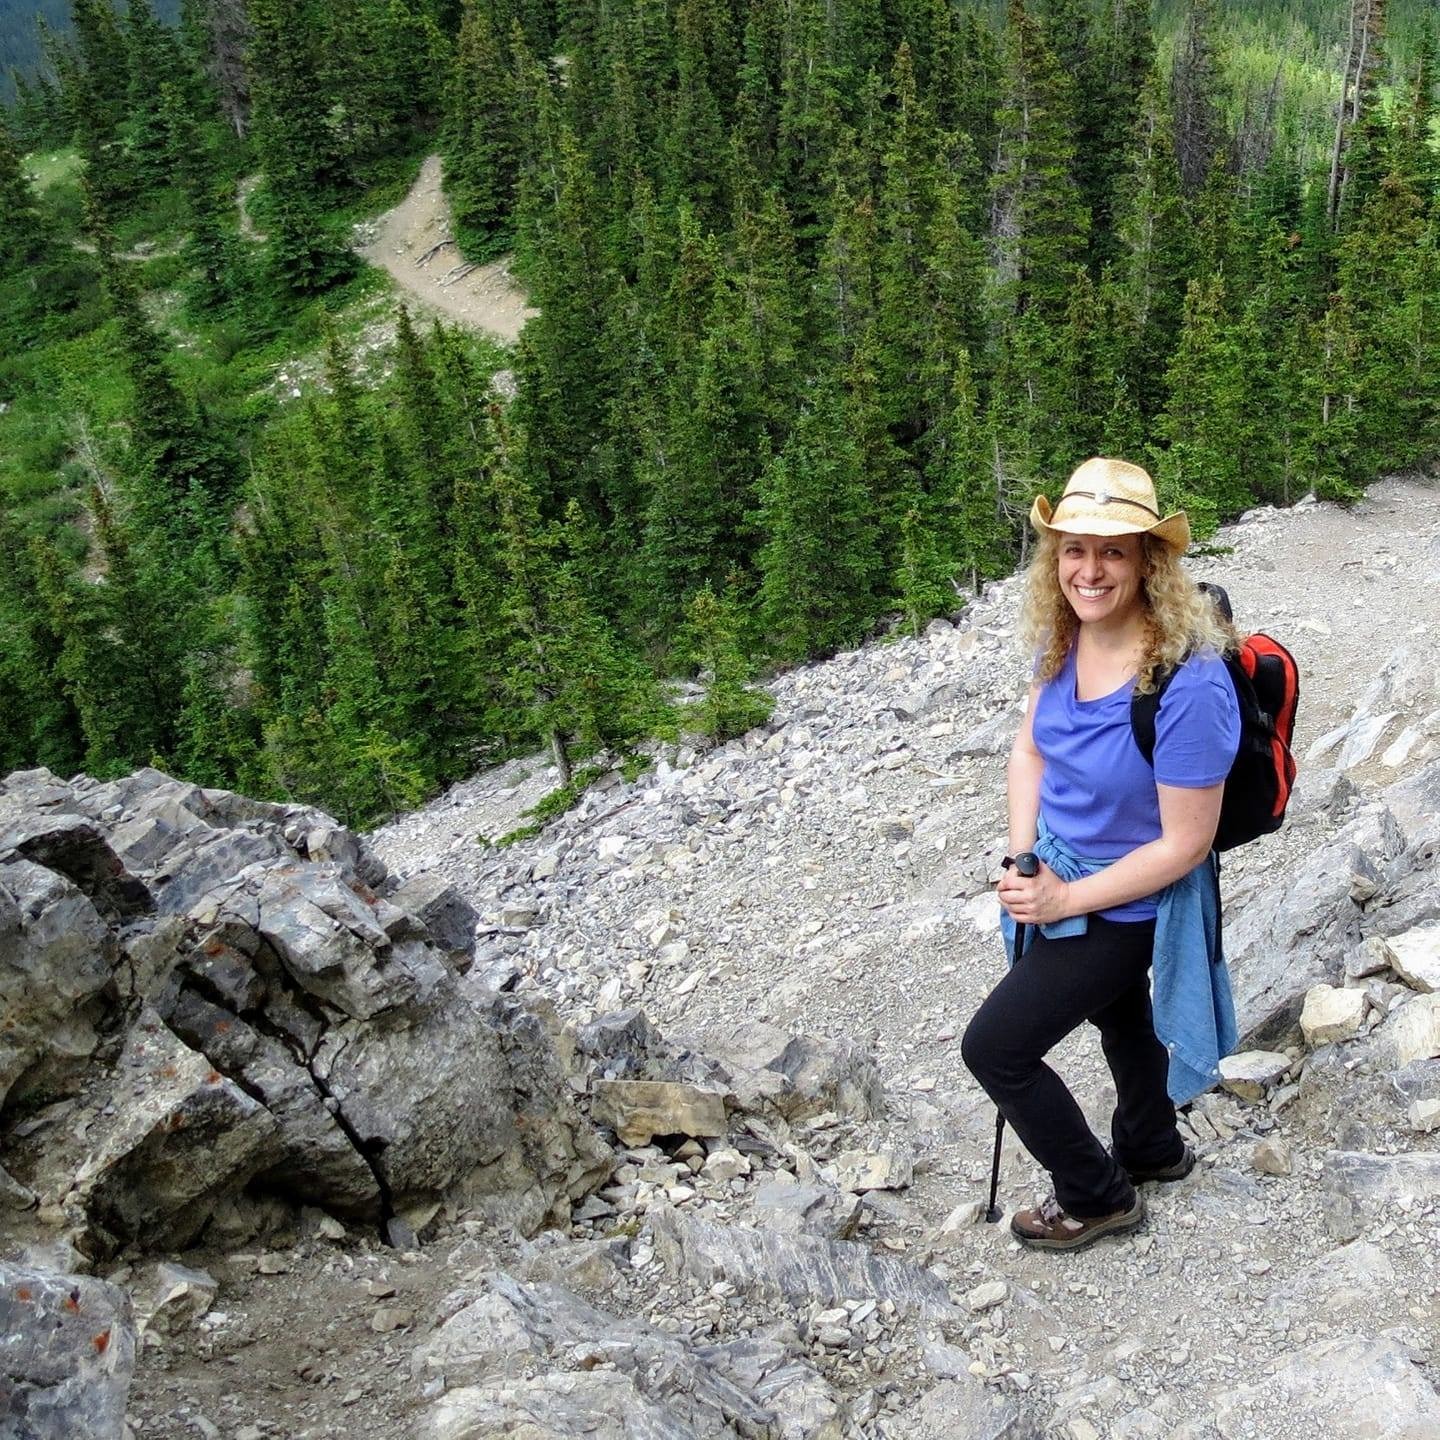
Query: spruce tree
<point>819,560</point>
<point>974,532</point>
<point>181,465</point>
<point>45,728</point>
<point>478,142</point>
<point>213,244</point>
<point>155,68</point>
<point>103,59</point>
<point>847,285</point>
<point>1388,285</point>
<point>906,214</point>
<point>96,90</point>
<point>23,236</point>
<point>922,577</point>
<point>1157,248</point>
<point>303,160</point>
<point>696,153</point>
<point>85,668</point>
<point>1124,61</point>
<point>1041,220</point>
<point>566,376</point>
<point>712,643</point>
<point>952,295</point>
<point>1209,422</point>
<point>697,474</point>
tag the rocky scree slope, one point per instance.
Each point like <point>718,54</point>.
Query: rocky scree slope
<point>832,872</point>
<point>725,1001</point>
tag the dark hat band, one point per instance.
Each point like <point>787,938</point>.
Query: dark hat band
<point>1103,497</point>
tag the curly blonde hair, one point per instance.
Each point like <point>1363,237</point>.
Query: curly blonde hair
<point>1179,618</point>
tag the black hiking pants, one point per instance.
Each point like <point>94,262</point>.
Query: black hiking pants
<point>1102,976</point>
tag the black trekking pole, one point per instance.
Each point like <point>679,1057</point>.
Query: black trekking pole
<point>1027,863</point>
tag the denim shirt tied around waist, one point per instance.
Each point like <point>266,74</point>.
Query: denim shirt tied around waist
<point>1190,993</point>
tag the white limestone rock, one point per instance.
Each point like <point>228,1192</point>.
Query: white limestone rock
<point>1252,1074</point>
<point>861,1171</point>
<point>988,1295</point>
<point>1415,956</point>
<point>725,1164</point>
<point>1330,1014</point>
<point>1424,1116</point>
<point>179,1296</point>
<point>1414,1029</point>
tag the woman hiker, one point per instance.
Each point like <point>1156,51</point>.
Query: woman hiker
<point>1127,881</point>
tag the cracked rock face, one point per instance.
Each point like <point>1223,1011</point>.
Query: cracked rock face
<point>205,993</point>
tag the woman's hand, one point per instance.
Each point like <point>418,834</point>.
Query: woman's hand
<point>1035,899</point>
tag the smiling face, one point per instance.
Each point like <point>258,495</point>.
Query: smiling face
<point>1102,577</point>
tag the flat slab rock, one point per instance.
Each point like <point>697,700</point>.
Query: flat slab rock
<point>1252,1073</point>
<point>638,1110</point>
<point>1376,1181</point>
<point>799,1269</point>
<point>1352,1388</point>
<point>1416,956</point>
<point>800,1209</point>
<point>67,1352</point>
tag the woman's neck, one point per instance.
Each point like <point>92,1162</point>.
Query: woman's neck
<point>1106,639</point>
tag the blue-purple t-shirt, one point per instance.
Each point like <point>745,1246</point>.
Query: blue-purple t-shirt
<point>1097,794</point>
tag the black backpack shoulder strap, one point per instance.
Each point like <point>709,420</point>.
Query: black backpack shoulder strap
<point>1144,709</point>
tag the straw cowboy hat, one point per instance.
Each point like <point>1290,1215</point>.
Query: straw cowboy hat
<point>1111,497</point>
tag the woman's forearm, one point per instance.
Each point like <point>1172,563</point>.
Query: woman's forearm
<point>1022,786</point>
<point>1142,872</point>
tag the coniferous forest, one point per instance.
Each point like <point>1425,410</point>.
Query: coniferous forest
<point>827,290</point>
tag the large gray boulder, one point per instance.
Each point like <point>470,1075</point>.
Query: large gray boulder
<point>67,1352</point>
<point>206,993</point>
<point>502,1332</point>
<point>1294,929</point>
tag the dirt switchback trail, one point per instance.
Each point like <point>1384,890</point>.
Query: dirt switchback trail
<point>413,242</point>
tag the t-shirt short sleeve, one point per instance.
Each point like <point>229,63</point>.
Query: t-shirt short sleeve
<point>1197,728</point>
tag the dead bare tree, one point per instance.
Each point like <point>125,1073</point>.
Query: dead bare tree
<point>1357,88</point>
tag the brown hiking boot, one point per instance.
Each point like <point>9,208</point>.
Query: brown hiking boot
<point>1048,1227</point>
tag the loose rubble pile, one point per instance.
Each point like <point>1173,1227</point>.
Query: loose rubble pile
<point>711,1020</point>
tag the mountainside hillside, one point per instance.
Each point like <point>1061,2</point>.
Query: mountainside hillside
<point>718,1006</point>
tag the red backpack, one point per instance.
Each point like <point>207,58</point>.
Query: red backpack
<point>1267,687</point>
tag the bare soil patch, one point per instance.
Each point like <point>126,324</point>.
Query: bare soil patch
<point>414,244</point>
